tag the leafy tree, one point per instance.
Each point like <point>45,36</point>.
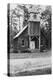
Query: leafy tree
<point>26,13</point>
<point>46,18</point>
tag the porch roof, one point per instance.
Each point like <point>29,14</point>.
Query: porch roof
<point>34,20</point>
<point>18,34</point>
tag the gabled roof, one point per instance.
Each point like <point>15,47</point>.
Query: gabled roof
<point>34,20</point>
<point>18,34</point>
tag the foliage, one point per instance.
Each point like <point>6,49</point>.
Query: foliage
<point>46,26</point>
<point>46,18</point>
<point>26,14</point>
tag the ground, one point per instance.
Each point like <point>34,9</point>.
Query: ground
<point>30,55</point>
<point>30,63</point>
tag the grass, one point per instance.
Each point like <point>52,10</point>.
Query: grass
<point>29,55</point>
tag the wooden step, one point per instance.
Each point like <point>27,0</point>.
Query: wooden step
<point>35,50</point>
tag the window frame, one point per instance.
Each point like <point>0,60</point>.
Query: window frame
<point>34,16</point>
<point>23,42</point>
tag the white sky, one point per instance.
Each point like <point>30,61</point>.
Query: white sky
<point>13,6</point>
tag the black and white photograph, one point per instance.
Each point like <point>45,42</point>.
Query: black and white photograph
<point>29,30</point>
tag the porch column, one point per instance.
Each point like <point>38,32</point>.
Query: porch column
<point>29,41</point>
<point>39,42</point>
<point>29,33</point>
<point>39,37</point>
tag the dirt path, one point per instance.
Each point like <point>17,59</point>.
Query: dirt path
<point>29,64</point>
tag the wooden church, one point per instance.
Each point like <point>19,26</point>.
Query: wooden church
<point>29,37</point>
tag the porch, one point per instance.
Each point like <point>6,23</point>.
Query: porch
<point>34,43</point>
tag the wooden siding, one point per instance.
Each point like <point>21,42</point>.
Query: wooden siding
<point>18,41</point>
<point>34,28</point>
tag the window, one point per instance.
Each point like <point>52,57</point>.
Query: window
<point>34,16</point>
<point>22,42</point>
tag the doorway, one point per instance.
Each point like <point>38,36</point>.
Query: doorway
<point>32,44</point>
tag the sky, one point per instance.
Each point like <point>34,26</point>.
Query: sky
<point>13,6</point>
